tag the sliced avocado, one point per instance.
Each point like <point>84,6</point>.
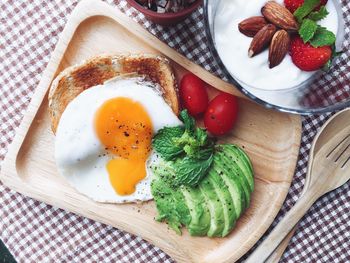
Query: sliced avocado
<point>241,160</point>
<point>163,196</point>
<point>200,216</point>
<point>170,202</point>
<point>246,158</point>
<point>224,195</point>
<point>181,208</point>
<point>230,169</point>
<point>233,184</point>
<point>217,220</point>
<point>214,206</point>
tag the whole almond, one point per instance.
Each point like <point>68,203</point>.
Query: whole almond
<point>279,16</point>
<point>252,25</point>
<point>278,48</point>
<point>261,40</point>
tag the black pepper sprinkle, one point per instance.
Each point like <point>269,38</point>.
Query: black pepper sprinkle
<point>126,134</point>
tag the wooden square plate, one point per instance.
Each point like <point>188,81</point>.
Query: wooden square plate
<point>271,139</point>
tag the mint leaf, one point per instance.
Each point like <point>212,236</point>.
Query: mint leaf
<point>189,149</point>
<point>187,142</point>
<point>192,143</point>
<point>319,15</point>
<point>308,29</point>
<point>323,37</point>
<point>189,122</point>
<point>305,9</point>
<point>190,171</point>
<point>171,142</point>
<point>164,142</point>
<point>201,136</point>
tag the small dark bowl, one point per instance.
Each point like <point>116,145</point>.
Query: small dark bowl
<point>165,18</point>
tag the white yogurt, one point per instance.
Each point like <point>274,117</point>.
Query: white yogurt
<point>233,47</point>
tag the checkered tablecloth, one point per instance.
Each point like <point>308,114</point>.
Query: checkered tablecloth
<point>36,232</point>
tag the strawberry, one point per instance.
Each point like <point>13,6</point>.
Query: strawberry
<point>293,5</point>
<point>307,57</point>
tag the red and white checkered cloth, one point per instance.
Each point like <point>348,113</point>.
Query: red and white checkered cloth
<point>36,232</point>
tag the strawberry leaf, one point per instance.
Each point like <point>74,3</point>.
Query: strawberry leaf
<point>335,54</point>
<point>327,66</point>
<point>304,10</point>
<point>319,15</point>
<point>308,29</point>
<point>323,37</point>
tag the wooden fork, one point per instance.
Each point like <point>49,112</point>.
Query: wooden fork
<point>332,169</point>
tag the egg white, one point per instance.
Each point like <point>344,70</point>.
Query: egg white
<point>80,156</point>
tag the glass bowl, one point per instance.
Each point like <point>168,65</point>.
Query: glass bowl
<point>321,93</point>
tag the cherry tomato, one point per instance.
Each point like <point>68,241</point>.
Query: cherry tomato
<point>193,94</point>
<point>221,114</point>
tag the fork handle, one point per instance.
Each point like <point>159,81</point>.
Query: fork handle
<point>277,254</point>
<point>285,226</point>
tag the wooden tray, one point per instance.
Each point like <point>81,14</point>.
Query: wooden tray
<point>271,139</point>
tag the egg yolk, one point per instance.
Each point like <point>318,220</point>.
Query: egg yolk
<point>125,129</point>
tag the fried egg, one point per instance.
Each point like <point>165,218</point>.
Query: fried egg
<point>104,138</point>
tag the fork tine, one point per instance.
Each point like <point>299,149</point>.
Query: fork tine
<point>342,154</point>
<point>346,162</point>
<point>339,149</point>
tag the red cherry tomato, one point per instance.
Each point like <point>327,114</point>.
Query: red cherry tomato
<point>193,94</point>
<point>221,114</point>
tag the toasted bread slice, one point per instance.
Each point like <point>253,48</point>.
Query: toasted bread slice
<point>73,80</point>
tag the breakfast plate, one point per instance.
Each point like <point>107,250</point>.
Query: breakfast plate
<point>271,139</point>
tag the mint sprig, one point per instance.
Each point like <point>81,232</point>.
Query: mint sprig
<point>189,148</point>
<point>309,30</point>
<point>323,37</point>
<point>305,9</point>
<point>190,171</point>
<point>319,15</point>
<point>164,142</point>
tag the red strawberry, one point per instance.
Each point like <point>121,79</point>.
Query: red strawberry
<point>307,57</point>
<point>293,5</point>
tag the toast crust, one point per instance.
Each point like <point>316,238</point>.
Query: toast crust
<point>95,71</point>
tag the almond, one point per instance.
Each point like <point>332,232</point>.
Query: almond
<point>278,48</point>
<point>251,26</point>
<point>279,16</point>
<point>261,40</point>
